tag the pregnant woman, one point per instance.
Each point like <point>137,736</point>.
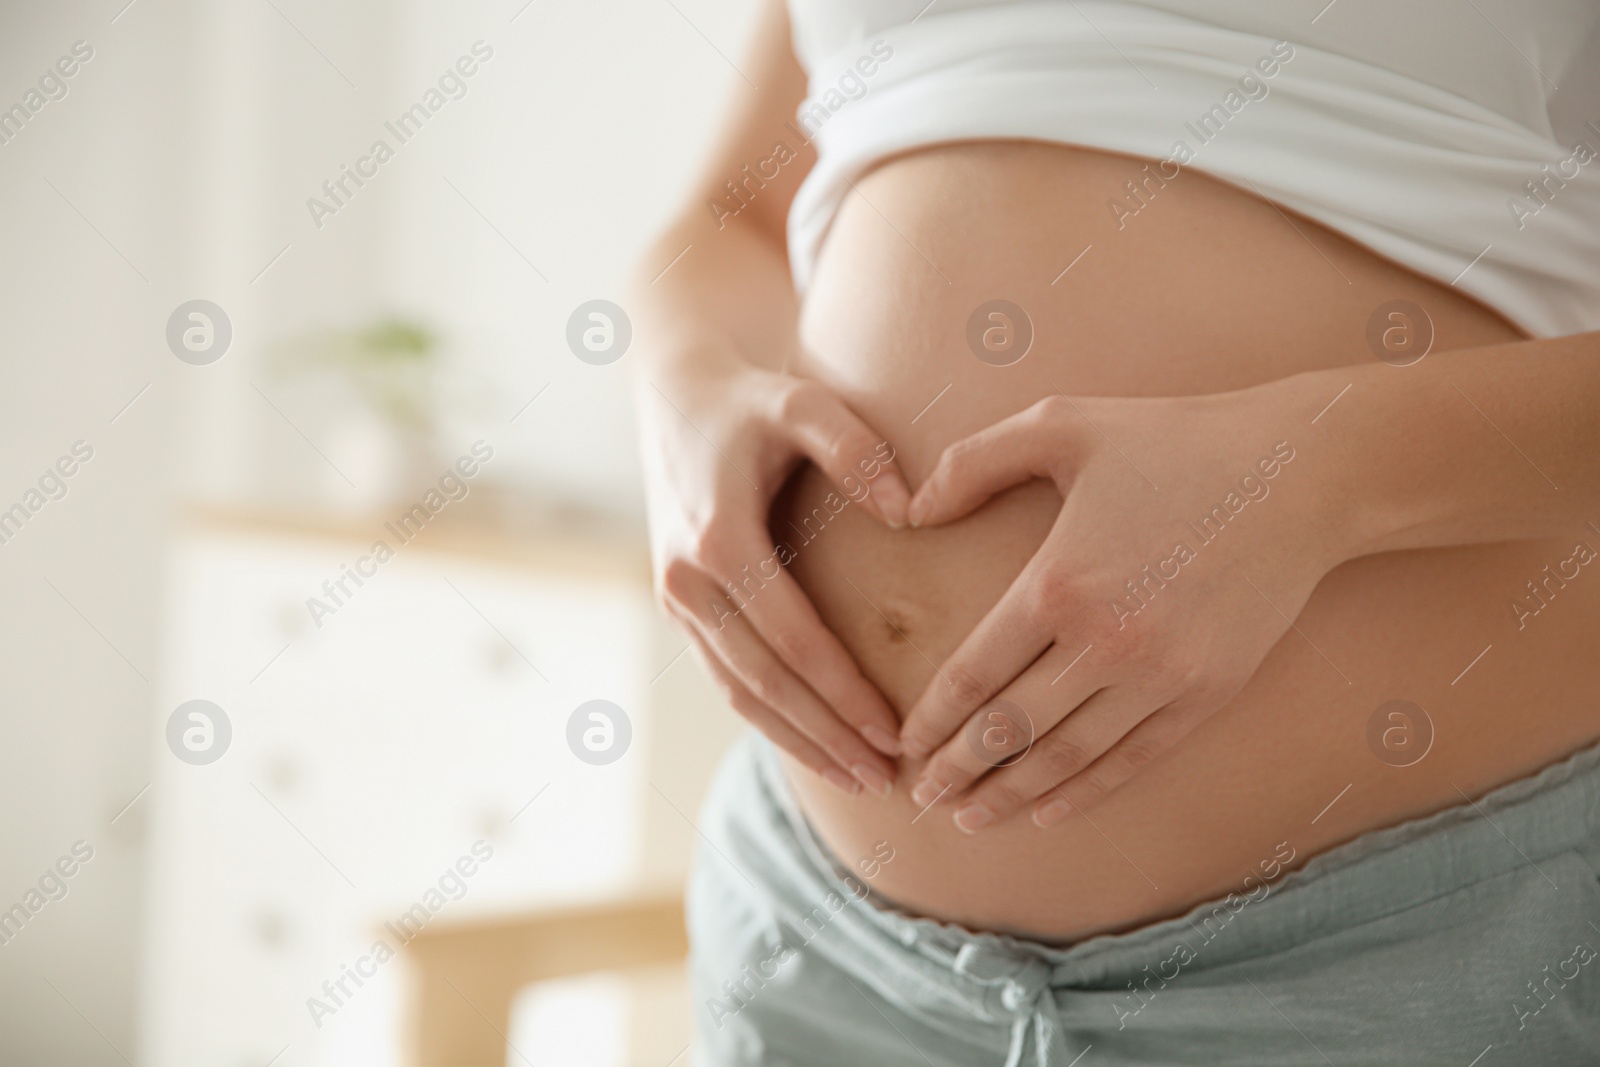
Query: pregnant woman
<point>1137,466</point>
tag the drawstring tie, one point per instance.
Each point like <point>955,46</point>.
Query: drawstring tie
<point>1017,987</point>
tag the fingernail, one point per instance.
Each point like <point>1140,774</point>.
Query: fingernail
<point>882,740</point>
<point>1051,812</point>
<point>920,506</point>
<point>892,501</point>
<point>872,778</point>
<point>970,818</point>
<point>926,792</point>
<point>842,781</point>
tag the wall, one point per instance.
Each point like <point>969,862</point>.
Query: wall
<point>177,167</point>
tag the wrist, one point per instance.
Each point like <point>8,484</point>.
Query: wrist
<point>1378,438</point>
<point>687,366</point>
<point>1321,483</point>
<point>693,349</point>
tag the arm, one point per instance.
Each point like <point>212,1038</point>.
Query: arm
<point>1491,444</point>
<point>723,428</point>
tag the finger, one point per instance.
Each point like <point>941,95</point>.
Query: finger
<point>739,648</point>
<point>1143,744</point>
<point>1085,736</point>
<point>969,472</point>
<point>788,622</point>
<point>1003,731</point>
<point>770,723</point>
<point>1008,639</point>
<point>855,458</point>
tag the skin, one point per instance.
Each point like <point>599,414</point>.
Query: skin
<point>1155,677</point>
<point>1200,336</point>
<point>726,424</point>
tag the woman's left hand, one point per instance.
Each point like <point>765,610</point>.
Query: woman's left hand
<point>1145,610</point>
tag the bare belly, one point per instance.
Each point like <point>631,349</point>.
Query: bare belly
<point>1206,289</point>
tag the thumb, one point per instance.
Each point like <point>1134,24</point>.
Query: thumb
<point>972,470</point>
<point>855,458</point>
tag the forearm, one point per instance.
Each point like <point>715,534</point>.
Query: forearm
<point>1488,444</point>
<point>728,293</point>
<point>716,285</point>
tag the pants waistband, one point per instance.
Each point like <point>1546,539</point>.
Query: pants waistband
<point>1554,811</point>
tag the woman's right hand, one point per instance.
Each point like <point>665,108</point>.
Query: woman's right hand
<point>720,437</point>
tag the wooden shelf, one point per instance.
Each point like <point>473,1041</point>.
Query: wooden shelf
<point>467,975</point>
<point>594,552</point>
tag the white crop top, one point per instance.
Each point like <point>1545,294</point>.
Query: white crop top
<point>1459,138</point>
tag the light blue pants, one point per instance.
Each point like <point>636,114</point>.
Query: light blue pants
<point>1467,939</point>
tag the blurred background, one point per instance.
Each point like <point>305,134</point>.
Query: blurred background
<point>272,795</point>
